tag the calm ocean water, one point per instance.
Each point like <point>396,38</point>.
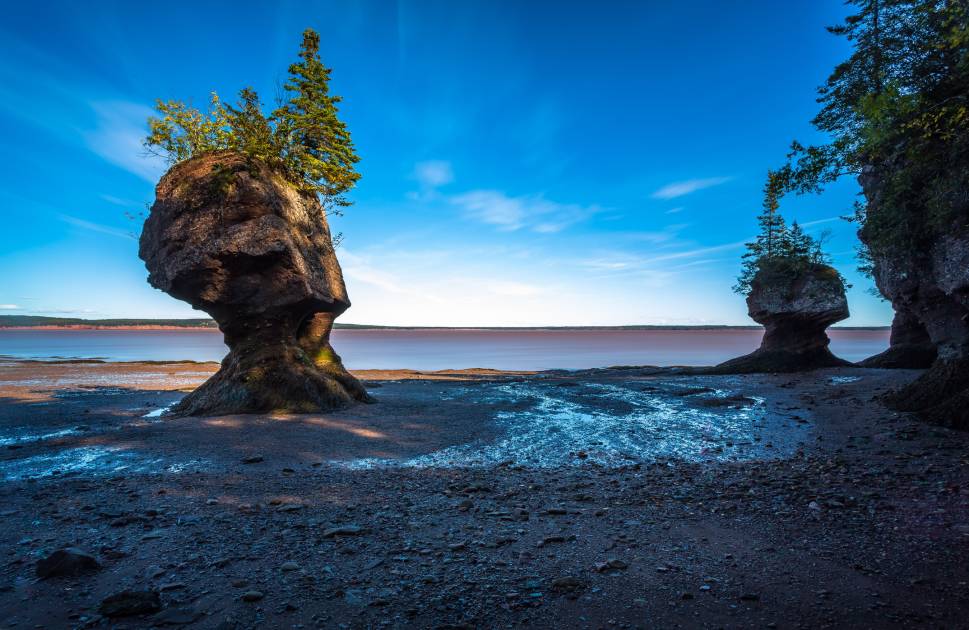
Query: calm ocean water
<point>440,349</point>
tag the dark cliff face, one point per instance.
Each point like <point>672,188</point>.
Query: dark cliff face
<point>233,239</point>
<point>795,313</point>
<point>928,285</point>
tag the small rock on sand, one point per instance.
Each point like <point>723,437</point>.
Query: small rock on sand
<point>129,603</point>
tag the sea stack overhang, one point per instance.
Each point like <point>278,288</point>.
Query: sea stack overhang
<point>795,311</point>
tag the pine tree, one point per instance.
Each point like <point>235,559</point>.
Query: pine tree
<point>318,146</point>
<point>251,132</point>
<point>303,139</point>
<point>782,251</point>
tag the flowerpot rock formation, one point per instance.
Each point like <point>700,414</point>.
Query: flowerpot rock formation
<point>795,313</point>
<point>234,239</point>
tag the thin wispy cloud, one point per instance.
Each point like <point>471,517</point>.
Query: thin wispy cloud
<point>514,289</point>
<point>679,189</point>
<point>625,262</point>
<point>9,307</point>
<point>433,173</point>
<point>96,227</point>
<point>675,210</point>
<point>124,203</point>
<point>117,138</point>
<point>820,221</point>
<point>533,212</point>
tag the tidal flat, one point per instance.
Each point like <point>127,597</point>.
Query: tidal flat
<point>624,497</point>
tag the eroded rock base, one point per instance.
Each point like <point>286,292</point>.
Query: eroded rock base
<point>766,361</point>
<point>939,396</point>
<point>274,378</point>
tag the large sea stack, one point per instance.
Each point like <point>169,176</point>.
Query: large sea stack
<point>795,312</point>
<point>931,282</point>
<point>236,240</point>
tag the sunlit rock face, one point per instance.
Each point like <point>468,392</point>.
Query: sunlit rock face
<point>234,239</point>
<point>795,313</point>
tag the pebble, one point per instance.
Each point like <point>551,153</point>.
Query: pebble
<point>252,596</point>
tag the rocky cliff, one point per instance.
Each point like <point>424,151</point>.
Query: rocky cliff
<point>933,285</point>
<point>795,312</point>
<point>235,240</point>
<point>928,278</point>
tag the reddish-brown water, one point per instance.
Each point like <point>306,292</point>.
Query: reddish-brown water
<point>442,349</point>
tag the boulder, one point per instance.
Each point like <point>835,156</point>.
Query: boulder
<point>795,312</point>
<point>66,562</point>
<point>233,238</point>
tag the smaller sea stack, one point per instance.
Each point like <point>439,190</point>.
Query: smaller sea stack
<point>795,312</point>
<point>236,240</point>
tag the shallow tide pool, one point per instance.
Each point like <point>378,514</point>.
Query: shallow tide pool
<point>609,425</point>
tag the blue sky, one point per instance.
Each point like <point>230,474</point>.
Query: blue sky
<point>523,163</point>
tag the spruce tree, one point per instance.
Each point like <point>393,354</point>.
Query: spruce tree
<point>303,139</point>
<point>318,146</point>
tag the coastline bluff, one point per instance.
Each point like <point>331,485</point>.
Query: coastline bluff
<point>795,312</point>
<point>934,286</point>
<point>234,239</point>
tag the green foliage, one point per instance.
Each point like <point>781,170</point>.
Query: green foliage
<point>785,252</point>
<point>897,111</point>
<point>317,143</point>
<point>303,139</point>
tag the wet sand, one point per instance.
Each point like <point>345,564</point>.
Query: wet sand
<point>603,498</point>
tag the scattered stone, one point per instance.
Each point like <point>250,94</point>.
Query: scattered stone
<point>289,566</point>
<point>129,603</point>
<point>346,530</point>
<point>176,617</point>
<point>566,583</point>
<point>252,596</point>
<point>611,565</point>
<point>252,459</point>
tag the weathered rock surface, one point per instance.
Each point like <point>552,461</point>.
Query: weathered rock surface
<point>930,281</point>
<point>909,346</point>
<point>795,313</point>
<point>235,240</point>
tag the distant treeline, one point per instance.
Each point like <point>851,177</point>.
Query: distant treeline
<point>29,321</point>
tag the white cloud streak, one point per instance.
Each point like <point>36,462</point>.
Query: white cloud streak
<point>533,212</point>
<point>679,189</point>
<point>433,173</point>
<point>96,227</point>
<point>117,138</point>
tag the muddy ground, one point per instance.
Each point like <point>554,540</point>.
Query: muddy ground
<point>612,498</point>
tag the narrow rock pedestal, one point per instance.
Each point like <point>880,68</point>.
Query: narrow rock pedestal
<point>795,313</point>
<point>236,240</point>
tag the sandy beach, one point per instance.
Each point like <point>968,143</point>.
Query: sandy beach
<point>767,501</point>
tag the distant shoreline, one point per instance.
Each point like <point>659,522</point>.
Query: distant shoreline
<point>431,328</point>
<point>36,322</point>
